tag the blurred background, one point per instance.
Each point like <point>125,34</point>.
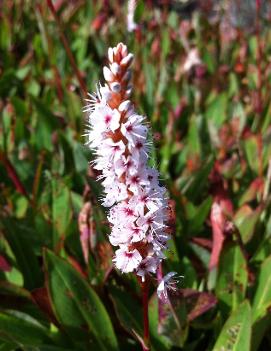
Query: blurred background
<point>202,76</point>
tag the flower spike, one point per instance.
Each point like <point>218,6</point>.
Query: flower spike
<point>119,137</point>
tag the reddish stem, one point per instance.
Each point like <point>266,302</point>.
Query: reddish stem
<point>145,303</point>
<point>259,107</point>
<point>13,175</point>
<point>67,48</point>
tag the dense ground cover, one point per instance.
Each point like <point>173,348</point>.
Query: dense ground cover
<point>202,77</point>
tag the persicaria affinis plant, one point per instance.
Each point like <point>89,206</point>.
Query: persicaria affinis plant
<point>119,137</point>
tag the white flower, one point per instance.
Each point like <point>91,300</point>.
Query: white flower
<point>148,265</point>
<point>127,261</point>
<point>167,283</point>
<point>133,130</point>
<point>110,150</point>
<point>104,119</point>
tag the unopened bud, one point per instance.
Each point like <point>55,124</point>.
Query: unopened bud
<point>115,68</point>
<point>115,51</point>
<point>115,87</point>
<point>110,55</point>
<point>127,60</point>
<point>125,105</point>
<point>127,76</point>
<point>124,50</point>
<point>128,93</point>
<point>108,75</point>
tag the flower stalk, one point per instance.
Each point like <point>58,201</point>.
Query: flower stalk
<point>145,304</point>
<point>138,212</point>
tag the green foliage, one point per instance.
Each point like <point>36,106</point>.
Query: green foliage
<point>211,128</point>
<point>236,333</point>
<point>76,305</point>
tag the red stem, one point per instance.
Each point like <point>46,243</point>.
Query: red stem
<point>259,107</point>
<point>145,303</point>
<point>13,175</point>
<point>67,48</point>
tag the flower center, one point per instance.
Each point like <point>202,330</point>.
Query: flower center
<point>107,119</point>
<point>139,145</point>
<point>129,128</point>
<point>128,212</point>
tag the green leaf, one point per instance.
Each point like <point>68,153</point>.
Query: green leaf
<point>77,306</point>
<point>232,277</point>
<point>129,312</point>
<point>13,290</point>
<point>7,81</point>
<point>154,324</point>
<point>198,218</point>
<point>216,110</point>
<point>80,159</point>
<point>22,329</point>
<point>47,123</point>
<point>246,219</point>
<point>209,60</point>
<point>262,299</point>
<point>173,324</point>
<point>139,11</point>
<point>258,331</point>
<point>61,209</point>
<point>193,186</point>
<point>49,348</point>
<point>194,144</point>
<point>236,333</point>
<point>21,246</point>
<point>252,152</point>
<point>7,346</point>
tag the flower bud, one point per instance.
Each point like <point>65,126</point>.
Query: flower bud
<point>115,87</point>
<point>127,60</point>
<point>125,105</point>
<point>110,55</point>
<point>115,68</point>
<point>127,76</point>
<point>108,75</point>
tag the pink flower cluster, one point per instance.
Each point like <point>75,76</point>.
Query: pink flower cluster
<point>119,137</point>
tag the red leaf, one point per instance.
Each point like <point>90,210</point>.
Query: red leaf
<point>98,22</point>
<point>255,189</point>
<point>217,222</point>
<point>202,242</point>
<point>4,265</point>
<point>87,230</point>
<point>13,175</point>
<point>221,209</point>
<point>198,302</point>
<point>41,298</point>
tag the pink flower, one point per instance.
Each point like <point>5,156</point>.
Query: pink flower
<point>119,138</point>
<point>127,261</point>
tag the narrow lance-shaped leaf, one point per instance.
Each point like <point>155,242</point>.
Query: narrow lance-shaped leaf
<point>27,262</point>
<point>232,277</point>
<point>61,209</point>
<point>77,306</point>
<point>22,329</point>
<point>236,333</point>
<point>261,304</point>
